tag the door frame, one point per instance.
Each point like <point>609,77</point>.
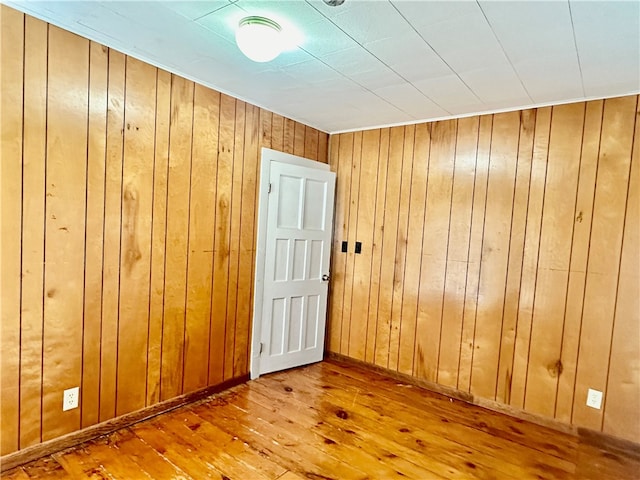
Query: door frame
<point>267,155</point>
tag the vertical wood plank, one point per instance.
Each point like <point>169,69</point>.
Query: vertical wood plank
<point>604,255</point>
<point>311,143</point>
<point>458,251</point>
<point>11,81</point>
<point>337,258</point>
<point>362,262</point>
<point>530,258</point>
<point>352,237</point>
<point>158,235</point>
<point>343,158</point>
<point>495,253</point>
<point>111,237</point>
<point>234,245</point>
<point>399,280</point>
<point>563,167</point>
<point>411,287</point>
<point>64,250</point>
<point>206,117</point>
<point>377,246</point>
<point>33,219</point>
<point>323,147</point>
<point>434,248</point>
<point>332,340</point>
<point>621,415</point>
<point>94,233</point>
<point>516,254</point>
<point>175,275</point>
<point>578,262</point>
<point>288,139</point>
<point>472,282</point>
<point>389,238</point>
<point>266,119</point>
<point>135,258</point>
<point>298,139</point>
<point>246,274</point>
<point>277,132</point>
<point>224,182</point>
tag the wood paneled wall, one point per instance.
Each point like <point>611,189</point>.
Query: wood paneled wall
<point>128,230</point>
<point>500,257</point>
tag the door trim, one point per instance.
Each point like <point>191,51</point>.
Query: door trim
<point>267,156</point>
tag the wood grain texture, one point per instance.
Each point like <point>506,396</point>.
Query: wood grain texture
<point>563,164</point>
<point>114,134</point>
<point>200,250</point>
<point>94,232</point>
<point>113,177</point>
<point>624,367</point>
<point>33,232</point>
<point>458,251</point>
<point>362,262</point>
<point>604,260</point>
<point>507,266</point>
<point>12,64</point>
<point>336,420</point>
<point>66,167</point>
<point>352,238</point>
<point>394,157</point>
<point>135,239</point>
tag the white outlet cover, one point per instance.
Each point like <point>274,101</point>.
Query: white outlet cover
<point>70,398</point>
<point>594,399</point>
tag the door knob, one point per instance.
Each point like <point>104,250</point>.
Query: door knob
<point>325,278</point>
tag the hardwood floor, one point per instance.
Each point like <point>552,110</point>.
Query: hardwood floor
<point>333,421</point>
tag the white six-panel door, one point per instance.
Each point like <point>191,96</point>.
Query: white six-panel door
<point>296,268</point>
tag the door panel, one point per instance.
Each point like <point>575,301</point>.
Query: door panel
<point>299,221</point>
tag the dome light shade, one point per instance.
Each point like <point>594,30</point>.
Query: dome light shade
<point>259,38</point>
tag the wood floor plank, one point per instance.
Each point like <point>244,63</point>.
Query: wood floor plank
<point>259,433</point>
<point>17,474</point>
<point>497,424</point>
<point>118,466</point>
<point>45,468</point>
<point>182,453</point>
<point>79,464</point>
<point>208,436</point>
<point>454,437</point>
<point>362,460</point>
<point>218,463</point>
<point>334,433</point>
<point>147,458</point>
<point>335,421</point>
<point>435,452</point>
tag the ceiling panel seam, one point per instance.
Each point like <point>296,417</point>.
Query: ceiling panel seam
<point>504,52</point>
<point>438,55</point>
<point>383,63</point>
<point>575,43</point>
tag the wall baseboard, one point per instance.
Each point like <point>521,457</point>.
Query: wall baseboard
<point>49,447</point>
<point>587,436</point>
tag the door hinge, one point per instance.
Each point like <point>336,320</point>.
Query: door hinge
<point>261,348</point>
<point>269,189</point>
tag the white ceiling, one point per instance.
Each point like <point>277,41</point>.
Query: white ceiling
<point>371,63</point>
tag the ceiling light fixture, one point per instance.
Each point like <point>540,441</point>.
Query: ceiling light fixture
<point>259,38</point>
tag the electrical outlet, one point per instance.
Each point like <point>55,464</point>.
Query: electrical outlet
<point>70,399</point>
<point>594,399</point>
